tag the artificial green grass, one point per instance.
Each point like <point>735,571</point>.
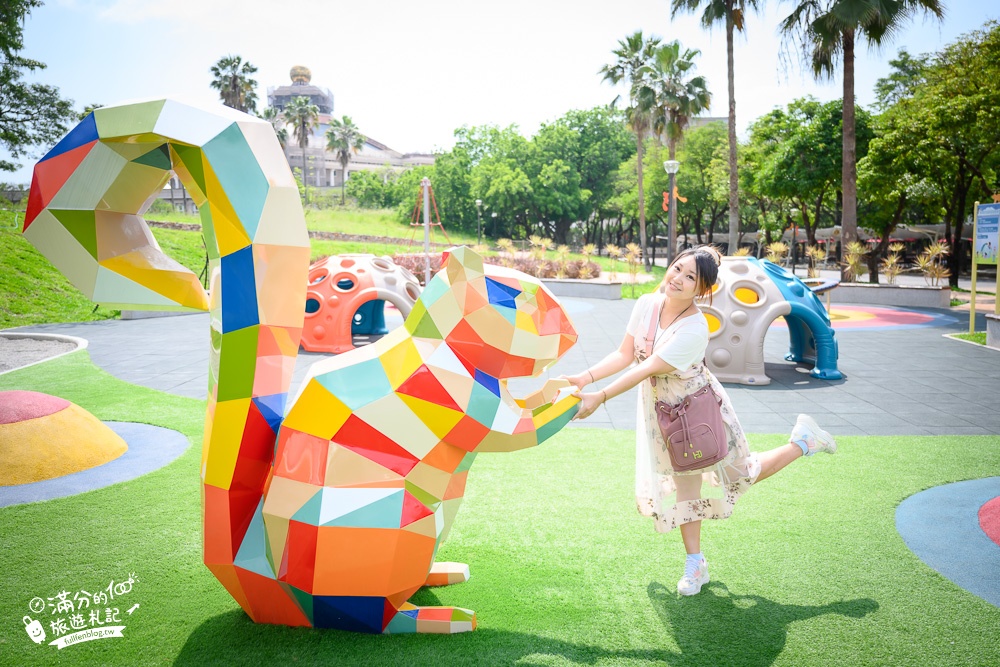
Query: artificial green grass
<point>809,571</point>
<point>978,337</point>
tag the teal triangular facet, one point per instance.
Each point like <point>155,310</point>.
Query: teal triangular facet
<point>159,157</point>
<point>303,599</point>
<point>309,513</point>
<point>239,174</point>
<point>253,552</point>
<point>381,513</point>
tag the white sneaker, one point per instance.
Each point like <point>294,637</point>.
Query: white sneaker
<point>695,576</point>
<point>808,432</point>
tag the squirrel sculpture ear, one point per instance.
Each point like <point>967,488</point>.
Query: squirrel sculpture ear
<point>462,263</point>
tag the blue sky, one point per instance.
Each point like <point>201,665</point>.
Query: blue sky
<point>409,73</point>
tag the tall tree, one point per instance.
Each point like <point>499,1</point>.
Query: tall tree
<point>953,120</point>
<point>274,117</point>
<point>594,142</point>
<point>30,114</point>
<point>800,156</point>
<point>826,30</point>
<point>677,97</point>
<point>890,175</point>
<point>303,116</point>
<point>733,12</point>
<point>345,140</point>
<point>907,73</point>
<point>233,81</point>
<point>632,61</point>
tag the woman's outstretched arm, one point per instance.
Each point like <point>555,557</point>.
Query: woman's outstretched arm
<point>654,365</point>
<point>617,361</point>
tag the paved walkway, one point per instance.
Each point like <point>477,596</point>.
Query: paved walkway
<point>897,381</point>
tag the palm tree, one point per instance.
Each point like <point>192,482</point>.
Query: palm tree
<point>232,80</point>
<point>303,116</point>
<point>632,60</point>
<point>826,30</point>
<point>343,138</point>
<point>677,100</point>
<point>733,12</point>
<point>274,117</point>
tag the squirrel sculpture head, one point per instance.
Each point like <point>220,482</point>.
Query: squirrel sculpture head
<point>498,320</point>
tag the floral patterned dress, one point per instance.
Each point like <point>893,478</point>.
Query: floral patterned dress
<point>674,498</point>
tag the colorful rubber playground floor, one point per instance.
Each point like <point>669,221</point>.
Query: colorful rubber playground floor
<point>875,318</point>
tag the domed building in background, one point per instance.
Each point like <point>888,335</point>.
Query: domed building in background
<point>322,169</point>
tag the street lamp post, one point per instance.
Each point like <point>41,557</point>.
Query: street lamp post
<point>479,222</point>
<point>795,238</point>
<point>671,167</point>
<point>425,185</point>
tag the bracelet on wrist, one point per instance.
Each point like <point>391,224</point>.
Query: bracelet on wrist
<point>591,374</point>
<point>604,396</point>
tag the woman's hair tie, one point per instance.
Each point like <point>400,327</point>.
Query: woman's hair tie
<point>714,253</point>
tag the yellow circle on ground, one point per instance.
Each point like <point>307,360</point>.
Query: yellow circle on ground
<point>852,315</point>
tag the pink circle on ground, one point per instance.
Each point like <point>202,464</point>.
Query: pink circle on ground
<point>870,316</point>
<point>989,519</point>
<point>17,406</point>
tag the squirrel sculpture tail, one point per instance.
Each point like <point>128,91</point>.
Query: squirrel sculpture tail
<point>85,214</point>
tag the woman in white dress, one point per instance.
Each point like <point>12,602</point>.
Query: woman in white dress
<point>669,367</point>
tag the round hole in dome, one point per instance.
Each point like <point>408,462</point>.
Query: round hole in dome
<point>312,305</point>
<point>382,264</point>
<point>714,323</point>
<point>317,277</point>
<point>345,284</point>
<point>746,295</point>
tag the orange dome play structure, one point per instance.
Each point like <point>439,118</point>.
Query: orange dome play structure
<point>346,296</point>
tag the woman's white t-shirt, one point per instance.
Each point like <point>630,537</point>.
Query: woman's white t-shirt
<point>681,344</point>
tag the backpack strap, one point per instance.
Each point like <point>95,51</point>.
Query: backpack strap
<point>651,335</point>
<point>650,339</point>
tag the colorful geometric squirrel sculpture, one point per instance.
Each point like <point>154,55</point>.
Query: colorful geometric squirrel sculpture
<point>329,513</point>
